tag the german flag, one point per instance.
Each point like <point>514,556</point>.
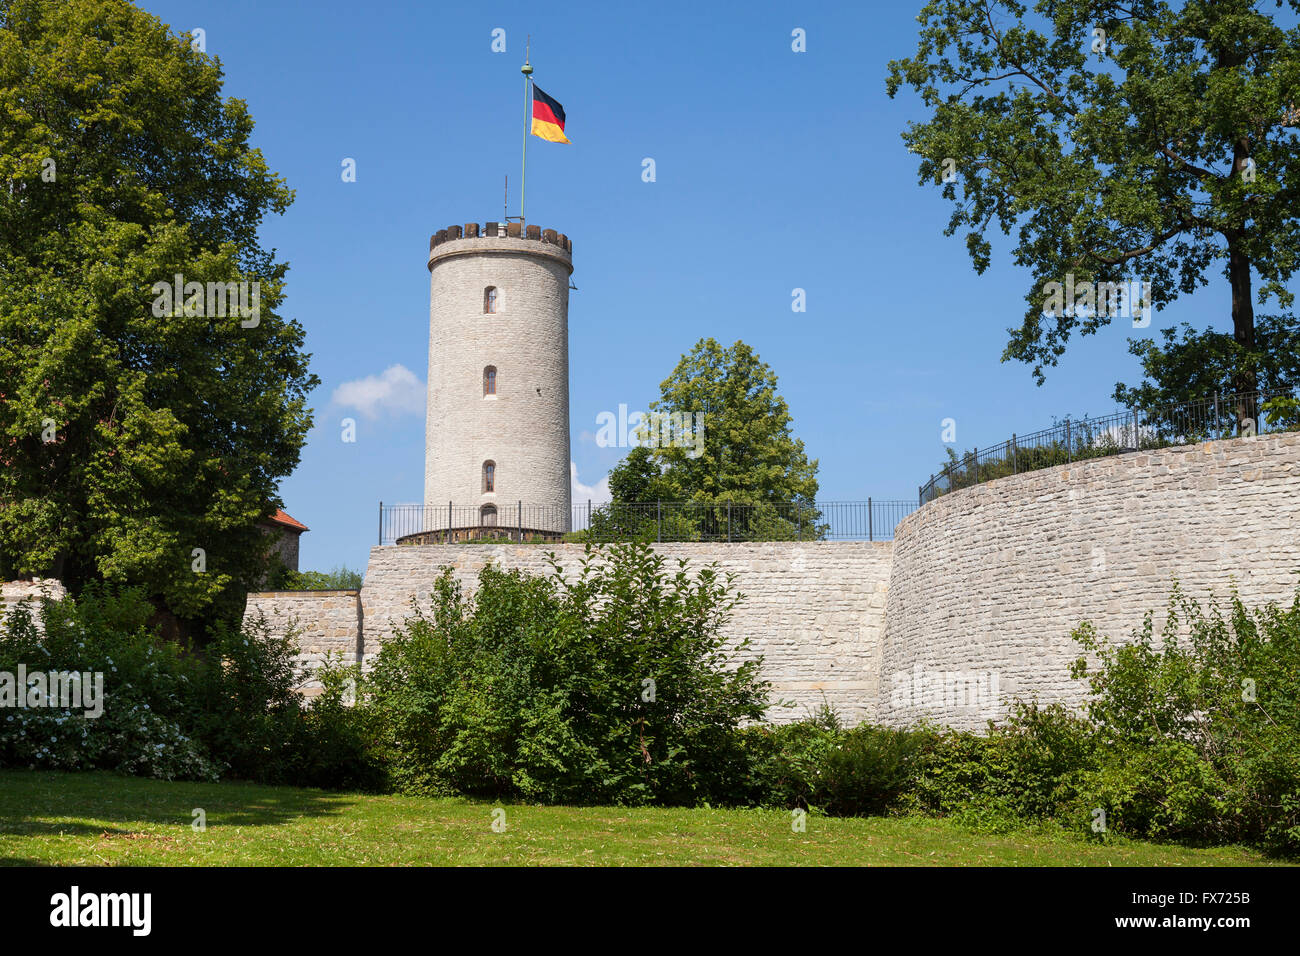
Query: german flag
<point>548,117</point>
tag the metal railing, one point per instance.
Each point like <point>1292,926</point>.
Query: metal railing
<point>507,522</point>
<point>870,520</point>
<point>1186,423</point>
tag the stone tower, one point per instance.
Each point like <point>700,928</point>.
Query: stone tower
<point>497,433</point>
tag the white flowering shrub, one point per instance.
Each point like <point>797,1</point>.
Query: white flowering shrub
<point>137,724</point>
<point>226,709</point>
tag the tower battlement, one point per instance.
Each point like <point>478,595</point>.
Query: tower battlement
<point>501,230</point>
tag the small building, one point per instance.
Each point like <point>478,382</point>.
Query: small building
<point>288,530</point>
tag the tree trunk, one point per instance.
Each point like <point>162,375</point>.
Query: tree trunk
<point>1243,307</point>
<point>1243,330</point>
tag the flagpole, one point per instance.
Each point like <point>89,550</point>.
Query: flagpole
<point>527,71</point>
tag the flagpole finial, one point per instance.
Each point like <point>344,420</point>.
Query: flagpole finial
<point>527,68</point>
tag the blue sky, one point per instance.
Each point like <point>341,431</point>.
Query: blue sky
<point>775,170</point>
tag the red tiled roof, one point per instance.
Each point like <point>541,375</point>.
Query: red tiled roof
<point>283,517</point>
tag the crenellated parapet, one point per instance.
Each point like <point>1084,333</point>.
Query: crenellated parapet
<point>500,230</point>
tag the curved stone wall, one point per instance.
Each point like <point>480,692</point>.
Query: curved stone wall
<point>972,604</point>
<point>988,582</point>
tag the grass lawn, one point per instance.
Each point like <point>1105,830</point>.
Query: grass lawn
<point>98,818</point>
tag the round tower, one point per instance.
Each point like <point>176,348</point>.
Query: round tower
<point>497,432</point>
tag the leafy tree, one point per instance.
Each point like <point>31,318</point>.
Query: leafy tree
<point>134,430</point>
<point>747,454</point>
<point>337,579</point>
<point>1153,151</point>
<point>1187,365</point>
<point>637,489</point>
<point>639,477</point>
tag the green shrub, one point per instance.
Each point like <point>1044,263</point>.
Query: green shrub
<point>245,701</point>
<point>871,770</point>
<point>146,726</point>
<point>230,708</point>
<point>333,746</point>
<point>960,770</point>
<point>251,714</point>
<point>1027,768</point>
<point>818,764</point>
<point>1199,737</point>
<point>785,761</point>
<point>613,687</point>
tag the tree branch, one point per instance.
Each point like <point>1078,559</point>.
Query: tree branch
<point>1201,173</point>
<point>1152,246</point>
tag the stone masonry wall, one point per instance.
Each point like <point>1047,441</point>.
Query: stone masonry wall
<point>969,607</point>
<point>988,582</point>
<point>814,611</point>
<point>326,621</point>
<point>13,592</point>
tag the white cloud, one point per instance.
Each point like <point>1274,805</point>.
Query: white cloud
<point>597,493</point>
<point>396,392</point>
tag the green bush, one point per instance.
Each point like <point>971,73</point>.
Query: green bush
<point>147,722</point>
<point>250,713</point>
<point>871,770</point>
<point>1199,737</point>
<point>784,761</point>
<point>817,763</point>
<point>613,687</point>
<point>1026,769</point>
<point>245,703</point>
<point>227,709</point>
<point>333,746</point>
